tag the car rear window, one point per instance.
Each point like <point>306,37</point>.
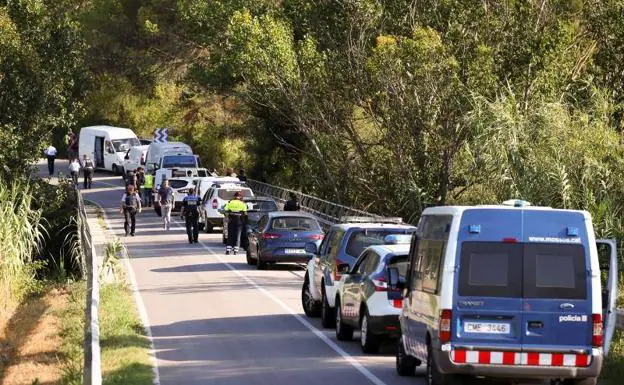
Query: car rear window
<point>361,239</point>
<point>491,269</point>
<point>295,224</point>
<point>228,193</point>
<point>400,262</point>
<point>261,205</point>
<point>177,183</point>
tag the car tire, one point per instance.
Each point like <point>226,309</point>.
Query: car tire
<point>581,381</point>
<point>250,260</point>
<point>311,307</point>
<point>328,315</point>
<point>405,364</point>
<point>433,376</point>
<point>259,264</point>
<point>115,170</point>
<point>343,332</point>
<point>368,341</point>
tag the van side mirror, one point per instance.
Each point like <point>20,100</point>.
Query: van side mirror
<point>311,248</point>
<point>344,268</point>
<point>393,278</point>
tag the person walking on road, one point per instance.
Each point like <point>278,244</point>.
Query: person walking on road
<point>236,210</point>
<point>148,189</point>
<point>190,212</point>
<point>130,205</point>
<point>140,182</point>
<point>87,170</point>
<point>50,153</point>
<point>130,178</point>
<point>292,204</point>
<point>166,199</point>
<point>74,170</point>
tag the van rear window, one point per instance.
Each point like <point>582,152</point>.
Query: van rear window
<point>491,269</point>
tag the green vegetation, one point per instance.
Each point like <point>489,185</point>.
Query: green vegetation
<point>72,334</point>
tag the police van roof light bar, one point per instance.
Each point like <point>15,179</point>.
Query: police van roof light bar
<point>362,219</point>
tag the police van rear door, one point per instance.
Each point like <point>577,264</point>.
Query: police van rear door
<point>607,257</point>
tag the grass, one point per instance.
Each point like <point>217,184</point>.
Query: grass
<point>125,347</point>
<point>73,321</point>
<point>613,369</point>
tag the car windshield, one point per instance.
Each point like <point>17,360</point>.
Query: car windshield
<point>295,224</point>
<point>228,193</point>
<point>363,238</point>
<point>123,145</point>
<point>170,161</point>
<point>261,206</point>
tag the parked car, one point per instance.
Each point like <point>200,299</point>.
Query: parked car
<point>256,208</point>
<point>343,244</point>
<point>282,236</point>
<point>364,300</point>
<point>107,146</point>
<point>217,196</point>
<point>509,291</point>
<point>135,157</point>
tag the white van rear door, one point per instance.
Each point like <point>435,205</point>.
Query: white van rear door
<point>607,254</point>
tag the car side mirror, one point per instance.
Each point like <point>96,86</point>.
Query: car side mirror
<point>393,278</point>
<point>344,268</point>
<point>311,248</point>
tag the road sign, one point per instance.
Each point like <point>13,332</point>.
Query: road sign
<point>161,135</point>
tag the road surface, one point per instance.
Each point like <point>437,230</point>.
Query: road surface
<point>216,320</point>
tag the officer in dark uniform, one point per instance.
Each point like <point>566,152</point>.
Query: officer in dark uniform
<point>190,211</point>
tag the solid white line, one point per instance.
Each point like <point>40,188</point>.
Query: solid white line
<point>346,356</point>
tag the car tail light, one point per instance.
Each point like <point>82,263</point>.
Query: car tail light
<point>380,284</point>
<point>270,236</point>
<point>510,240</point>
<point>398,303</point>
<point>315,237</point>
<point>215,203</point>
<point>597,330</point>
<point>445,325</point>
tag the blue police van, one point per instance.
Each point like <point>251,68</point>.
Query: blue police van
<point>509,291</point>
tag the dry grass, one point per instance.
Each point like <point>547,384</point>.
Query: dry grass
<point>30,341</point>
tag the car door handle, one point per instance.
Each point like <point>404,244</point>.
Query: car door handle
<point>535,324</point>
<point>566,306</point>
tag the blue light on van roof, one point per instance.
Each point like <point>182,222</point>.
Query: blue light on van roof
<point>474,229</point>
<point>397,239</point>
<point>516,203</point>
<point>572,232</point>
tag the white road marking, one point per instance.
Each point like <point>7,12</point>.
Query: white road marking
<point>346,356</point>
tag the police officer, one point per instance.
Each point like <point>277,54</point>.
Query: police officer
<point>130,205</point>
<point>148,189</point>
<point>236,210</point>
<point>87,170</point>
<point>190,211</point>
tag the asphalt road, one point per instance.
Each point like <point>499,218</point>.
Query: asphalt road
<point>216,320</point>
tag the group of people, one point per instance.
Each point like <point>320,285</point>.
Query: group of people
<point>87,167</point>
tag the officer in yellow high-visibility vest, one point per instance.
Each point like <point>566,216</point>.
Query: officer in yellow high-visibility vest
<point>236,210</point>
<point>148,187</point>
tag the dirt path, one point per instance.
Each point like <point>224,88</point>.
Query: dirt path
<point>30,342</point>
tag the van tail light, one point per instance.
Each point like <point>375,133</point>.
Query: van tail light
<point>397,303</point>
<point>215,204</point>
<point>510,240</point>
<point>266,236</point>
<point>315,237</point>
<point>337,276</point>
<point>597,330</point>
<point>380,284</point>
<point>445,325</point>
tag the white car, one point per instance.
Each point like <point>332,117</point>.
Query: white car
<point>216,198</point>
<point>134,158</point>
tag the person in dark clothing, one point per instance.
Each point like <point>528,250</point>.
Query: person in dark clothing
<point>292,204</point>
<point>190,212</point>
<point>87,170</point>
<point>236,210</point>
<point>241,175</point>
<point>130,205</point>
<point>130,178</point>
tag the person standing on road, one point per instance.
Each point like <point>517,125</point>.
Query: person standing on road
<point>50,153</point>
<point>130,178</point>
<point>74,170</point>
<point>87,170</point>
<point>190,212</point>
<point>148,188</point>
<point>72,146</point>
<point>230,172</point>
<point>130,205</point>
<point>241,175</point>
<point>236,210</point>
<point>140,183</point>
<point>166,198</point>
<point>292,204</point>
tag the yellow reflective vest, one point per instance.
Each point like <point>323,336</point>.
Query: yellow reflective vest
<point>236,206</point>
<point>149,181</point>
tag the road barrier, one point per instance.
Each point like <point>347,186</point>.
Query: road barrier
<point>92,374</point>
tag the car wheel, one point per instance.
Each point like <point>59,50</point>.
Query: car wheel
<point>310,306</point>
<point>250,260</point>
<point>116,170</point>
<point>343,332</point>
<point>433,374</point>
<point>259,264</point>
<point>327,313</point>
<point>405,364</point>
<point>369,341</point>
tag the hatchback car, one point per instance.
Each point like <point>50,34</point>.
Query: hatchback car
<point>217,196</point>
<point>282,236</point>
<point>256,208</point>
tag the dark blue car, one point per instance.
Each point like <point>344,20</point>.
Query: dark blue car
<point>281,236</point>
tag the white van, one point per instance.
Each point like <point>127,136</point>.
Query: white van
<point>106,146</point>
<point>135,157</point>
<point>169,155</point>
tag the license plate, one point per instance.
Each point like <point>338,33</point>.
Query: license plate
<point>486,327</point>
<point>294,251</point>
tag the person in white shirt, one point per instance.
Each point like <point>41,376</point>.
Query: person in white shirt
<point>74,169</point>
<point>50,153</point>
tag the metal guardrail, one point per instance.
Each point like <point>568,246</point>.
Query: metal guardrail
<point>92,374</point>
<point>327,212</point>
